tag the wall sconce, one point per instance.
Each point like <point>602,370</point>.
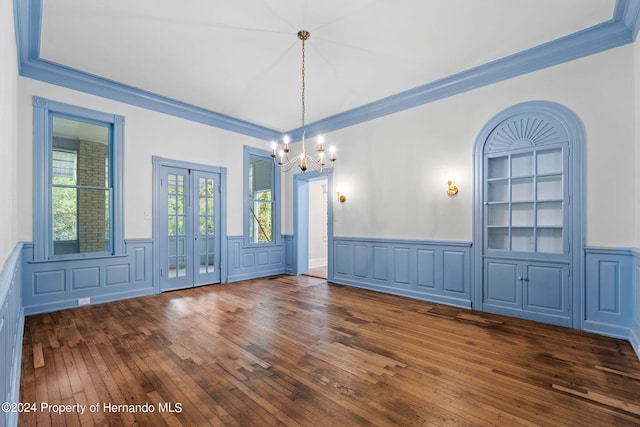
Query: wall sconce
<point>452,188</point>
<point>342,197</point>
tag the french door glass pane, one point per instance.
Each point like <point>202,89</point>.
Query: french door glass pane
<point>206,221</point>
<point>176,225</point>
<point>171,184</point>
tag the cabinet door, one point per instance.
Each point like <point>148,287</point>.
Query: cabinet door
<point>501,285</point>
<point>546,289</point>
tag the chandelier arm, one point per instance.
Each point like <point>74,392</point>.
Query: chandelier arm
<point>287,167</point>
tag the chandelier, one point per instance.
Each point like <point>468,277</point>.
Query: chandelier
<point>304,160</point>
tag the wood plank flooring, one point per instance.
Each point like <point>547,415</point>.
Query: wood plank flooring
<point>297,351</point>
<point>319,272</point>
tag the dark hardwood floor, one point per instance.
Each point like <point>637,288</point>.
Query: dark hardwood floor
<point>319,272</point>
<point>297,351</point>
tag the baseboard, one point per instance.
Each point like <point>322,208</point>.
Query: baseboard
<point>423,296</point>
<point>318,262</point>
<point>255,275</point>
<point>73,303</point>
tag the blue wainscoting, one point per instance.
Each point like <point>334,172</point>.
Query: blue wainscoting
<point>59,284</point>
<point>609,282</point>
<point>634,336</point>
<point>252,261</point>
<point>289,261</point>
<point>427,270</point>
<point>11,331</point>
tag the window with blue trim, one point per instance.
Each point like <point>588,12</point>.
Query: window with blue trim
<point>262,184</point>
<point>77,181</point>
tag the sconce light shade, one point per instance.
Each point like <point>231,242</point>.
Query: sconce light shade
<point>342,197</point>
<point>452,188</point>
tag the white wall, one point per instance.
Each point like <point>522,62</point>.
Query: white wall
<point>393,169</point>
<point>147,134</point>
<point>8,131</point>
<point>317,245</point>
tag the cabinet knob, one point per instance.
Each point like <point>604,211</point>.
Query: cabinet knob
<point>520,278</point>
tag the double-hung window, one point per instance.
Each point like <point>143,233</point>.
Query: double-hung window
<point>262,184</point>
<point>77,181</point>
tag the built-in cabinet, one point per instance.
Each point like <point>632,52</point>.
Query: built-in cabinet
<point>534,290</point>
<point>525,198</point>
<point>526,221</point>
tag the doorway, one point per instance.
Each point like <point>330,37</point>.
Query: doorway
<point>189,224</point>
<point>318,237</point>
<point>312,223</point>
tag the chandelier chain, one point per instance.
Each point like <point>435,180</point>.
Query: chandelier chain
<point>303,88</point>
<point>304,160</point>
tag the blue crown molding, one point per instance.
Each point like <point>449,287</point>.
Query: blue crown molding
<point>28,23</point>
<point>628,13</point>
<point>620,30</point>
<point>601,37</point>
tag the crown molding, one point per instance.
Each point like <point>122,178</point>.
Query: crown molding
<point>627,12</point>
<point>620,30</point>
<point>601,37</point>
<point>28,34</point>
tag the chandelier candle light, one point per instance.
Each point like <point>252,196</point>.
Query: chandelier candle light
<point>303,160</point>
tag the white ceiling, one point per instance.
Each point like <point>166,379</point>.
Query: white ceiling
<point>243,59</point>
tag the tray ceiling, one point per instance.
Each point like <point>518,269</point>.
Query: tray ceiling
<point>242,58</point>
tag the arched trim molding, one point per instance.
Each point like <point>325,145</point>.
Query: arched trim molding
<point>531,124</point>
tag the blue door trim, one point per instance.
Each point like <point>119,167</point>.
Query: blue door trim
<point>158,163</point>
<point>301,220</point>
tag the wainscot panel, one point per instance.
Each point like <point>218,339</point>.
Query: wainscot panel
<point>11,332</point>
<point>248,262</point>
<point>609,291</point>
<point>429,270</point>
<point>59,284</point>
<point>288,253</point>
<point>635,329</point>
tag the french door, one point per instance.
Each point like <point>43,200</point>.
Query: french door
<point>189,227</point>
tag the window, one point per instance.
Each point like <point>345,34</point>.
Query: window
<point>77,181</point>
<point>261,208</point>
